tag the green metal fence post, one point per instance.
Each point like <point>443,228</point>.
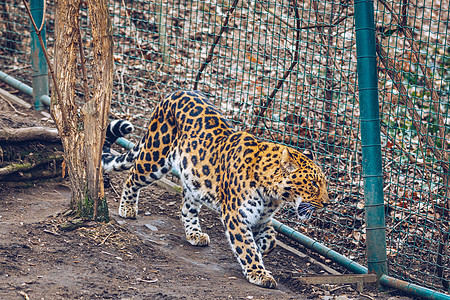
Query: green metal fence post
<point>38,63</point>
<point>370,137</point>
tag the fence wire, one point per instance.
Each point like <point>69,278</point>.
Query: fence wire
<point>15,41</point>
<point>286,71</point>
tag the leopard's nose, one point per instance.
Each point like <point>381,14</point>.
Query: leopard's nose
<point>325,200</point>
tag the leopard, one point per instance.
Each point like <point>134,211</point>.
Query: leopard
<point>243,178</point>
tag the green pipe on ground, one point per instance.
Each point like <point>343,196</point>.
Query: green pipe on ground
<point>412,288</point>
<point>16,83</point>
<point>39,71</point>
<point>370,137</point>
<point>22,87</point>
<point>319,248</point>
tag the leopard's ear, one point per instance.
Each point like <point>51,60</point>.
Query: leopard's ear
<point>288,163</point>
<point>308,154</point>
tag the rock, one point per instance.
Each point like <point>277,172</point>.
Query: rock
<point>151,227</point>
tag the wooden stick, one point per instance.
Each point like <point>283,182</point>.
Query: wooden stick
<point>310,259</point>
<point>16,100</point>
<point>15,167</point>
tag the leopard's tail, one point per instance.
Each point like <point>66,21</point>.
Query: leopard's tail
<point>115,130</point>
<point>110,161</point>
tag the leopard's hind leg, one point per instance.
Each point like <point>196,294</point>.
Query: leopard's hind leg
<point>154,159</point>
<point>142,174</point>
<point>189,217</point>
<point>128,207</point>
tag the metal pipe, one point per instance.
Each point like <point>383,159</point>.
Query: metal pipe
<point>370,137</point>
<point>16,83</point>
<point>319,248</point>
<point>39,71</point>
<point>125,143</point>
<point>22,87</point>
<point>45,99</point>
<point>412,288</point>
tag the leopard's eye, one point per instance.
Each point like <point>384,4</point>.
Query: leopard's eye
<point>314,183</point>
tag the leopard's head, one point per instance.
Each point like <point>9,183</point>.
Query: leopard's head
<point>301,183</point>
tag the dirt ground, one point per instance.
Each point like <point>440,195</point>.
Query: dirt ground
<point>147,258</point>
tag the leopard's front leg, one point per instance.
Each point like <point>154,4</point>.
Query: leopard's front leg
<point>247,253</point>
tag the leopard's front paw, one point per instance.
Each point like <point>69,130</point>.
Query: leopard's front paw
<point>262,278</point>
<point>128,212</point>
<point>198,239</point>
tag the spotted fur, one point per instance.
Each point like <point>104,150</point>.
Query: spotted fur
<point>244,179</point>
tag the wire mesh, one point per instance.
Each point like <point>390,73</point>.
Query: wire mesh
<point>15,40</point>
<point>286,71</point>
<point>414,60</point>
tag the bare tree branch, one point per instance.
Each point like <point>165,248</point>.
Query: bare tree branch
<point>66,125</point>
<point>263,107</point>
<point>214,44</point>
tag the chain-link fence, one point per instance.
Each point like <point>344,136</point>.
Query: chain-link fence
<point>15,41</point>
<point>286,71</point>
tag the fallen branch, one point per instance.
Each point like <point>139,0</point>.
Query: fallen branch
<point>29,134</point>
<point>24,295</point>
<point>15,168</point>
<point>12,106</point>
<point>104,240</point>
<point>21,167</point>
<point>51,232</point>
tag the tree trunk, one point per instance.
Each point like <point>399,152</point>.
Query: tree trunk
<point>82,129</point>
<point>96,109</point>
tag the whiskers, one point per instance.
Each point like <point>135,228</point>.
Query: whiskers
<point>303,210</point>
